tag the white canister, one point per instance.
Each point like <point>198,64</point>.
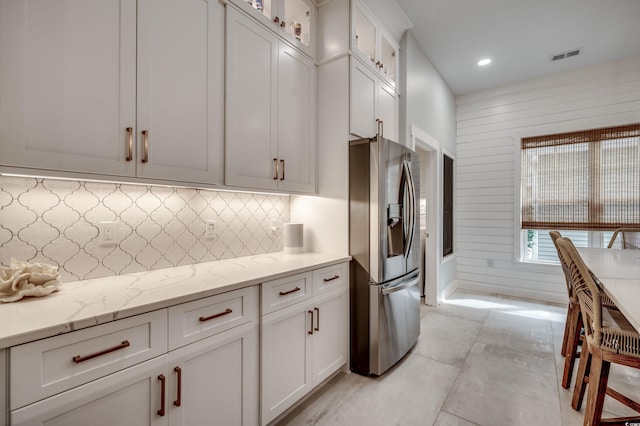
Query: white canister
<point>293,237</point>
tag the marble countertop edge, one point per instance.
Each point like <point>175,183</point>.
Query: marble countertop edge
<point>86,303</point>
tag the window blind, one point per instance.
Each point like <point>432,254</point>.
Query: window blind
<point>586,180</point>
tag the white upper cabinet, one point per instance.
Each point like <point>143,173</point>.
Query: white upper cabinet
<point>180,90</point>
<point>294,20</point>
<point>114,87</point>
<point>270,110</point>
<point>68,86</point>
<point>373,104</point>
<point>373,44</point>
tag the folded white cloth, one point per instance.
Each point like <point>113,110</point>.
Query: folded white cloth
<point>28,279</point>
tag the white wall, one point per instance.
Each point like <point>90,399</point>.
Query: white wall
<point>426,102</point>
<point>489,126</point>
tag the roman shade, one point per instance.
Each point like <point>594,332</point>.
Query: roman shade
<point>586,180</point>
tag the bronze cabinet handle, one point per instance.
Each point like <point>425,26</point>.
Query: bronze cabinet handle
<point>335,277</point>
<point>284,293</point>
<point>78,359</point>
<point>225,312</point>
<point>317,319</point>
<point>311,329</point>
<point>130,143</point>
<point>282,163</point>
<point>163,383</point>
<point>276,19</point>
<point>178,402</point>
<point>145,137</point>
<point>275,161</point>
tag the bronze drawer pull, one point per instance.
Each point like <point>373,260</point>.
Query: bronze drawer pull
<point>311,329</point>
<point>275,162</point>
<point>130,143</point>
<point>78,359</point>
<point>226,312</point>
<point>145,138</point>
<point>178,402</point>
<point>317,328</point>
<point>335,277</point>
<point>163,382</point>
<point>284,293</point>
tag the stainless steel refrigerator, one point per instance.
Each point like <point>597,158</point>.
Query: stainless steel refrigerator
<point>384,243</point>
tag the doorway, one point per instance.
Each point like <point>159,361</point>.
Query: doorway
<point>428,150</point>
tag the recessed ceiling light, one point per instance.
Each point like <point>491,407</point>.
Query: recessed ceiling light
<point>484,62</point>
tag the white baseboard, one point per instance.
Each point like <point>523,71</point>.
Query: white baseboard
<point>450,289</point>
<point>522,293</point>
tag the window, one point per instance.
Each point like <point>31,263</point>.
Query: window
<point>585,184</point>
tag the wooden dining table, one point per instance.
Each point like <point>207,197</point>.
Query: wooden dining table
<point>618,271</point>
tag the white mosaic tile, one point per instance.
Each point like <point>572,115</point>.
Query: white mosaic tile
<point>58,221</point>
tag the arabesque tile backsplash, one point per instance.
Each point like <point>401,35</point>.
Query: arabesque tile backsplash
<point>57,222</point>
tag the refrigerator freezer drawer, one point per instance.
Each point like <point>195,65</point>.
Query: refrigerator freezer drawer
<point>395,320</point>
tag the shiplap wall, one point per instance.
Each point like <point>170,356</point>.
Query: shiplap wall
<point>489,126</point>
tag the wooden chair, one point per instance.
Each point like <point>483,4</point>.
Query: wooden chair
<point>573,323</point>
<point>629,238</point>
<point>610,339</point>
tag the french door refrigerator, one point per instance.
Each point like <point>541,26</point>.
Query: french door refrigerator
<point>384,244</point>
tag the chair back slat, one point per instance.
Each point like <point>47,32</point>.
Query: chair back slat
<point>586,290</point>
<point>555,235</point>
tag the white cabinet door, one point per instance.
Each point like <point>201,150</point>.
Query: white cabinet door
<point>270,110</point>
<point>216,380</point>
<point>330,334</point>
<point>293,20</point>
<point>68,85</point>
<point>373,44</point>
<point>372,101</point>
<point>388,111</point>
<point>362,101</point>
<point>251,103</point>
<point>180,90</point>
<point>286,363</point>
<point>128,397</point>
<point>296,121</point>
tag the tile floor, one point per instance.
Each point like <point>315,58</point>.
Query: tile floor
<point>480,360</point>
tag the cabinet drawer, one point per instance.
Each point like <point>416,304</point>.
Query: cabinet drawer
<point>286,291</point>
<point>202,318</point>
<point>331,277</point>
<point>46,367</point>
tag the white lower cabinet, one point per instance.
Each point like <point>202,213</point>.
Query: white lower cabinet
<point>215,381</point>
<point>84,378</point>
<point>132,396</point>
<point>202,362</point>
<point>302,345</point>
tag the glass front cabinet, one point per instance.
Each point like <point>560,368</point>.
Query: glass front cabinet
<point>371,43</point>
<point>294,20</point>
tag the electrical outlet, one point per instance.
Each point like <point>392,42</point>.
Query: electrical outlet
<point>108,235</point>
<point>210,229</point>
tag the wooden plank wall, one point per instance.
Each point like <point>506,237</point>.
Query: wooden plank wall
<point>489,126</point>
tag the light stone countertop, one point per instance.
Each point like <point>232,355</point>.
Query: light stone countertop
<point>85,303</point>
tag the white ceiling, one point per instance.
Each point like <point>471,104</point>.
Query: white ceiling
<point>520,36</point>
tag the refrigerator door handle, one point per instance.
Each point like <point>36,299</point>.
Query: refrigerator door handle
<point>409,211</point>
<point>400,287</point>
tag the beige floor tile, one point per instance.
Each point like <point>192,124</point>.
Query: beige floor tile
<point>411,393</point>
<point>503,386</point>
<point>447,419</point>
<point>445,338</point>
<point>514,330</point>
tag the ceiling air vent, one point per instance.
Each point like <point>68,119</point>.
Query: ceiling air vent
<point>564,55</point>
